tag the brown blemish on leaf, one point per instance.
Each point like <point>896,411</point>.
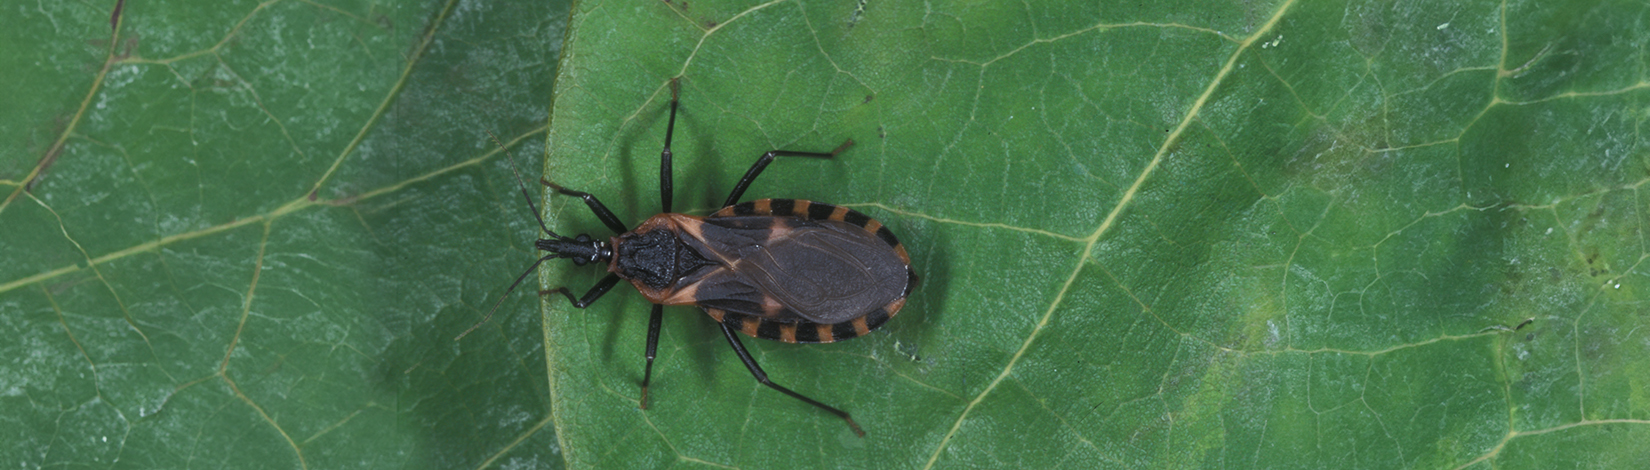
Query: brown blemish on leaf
<point>114,18</point>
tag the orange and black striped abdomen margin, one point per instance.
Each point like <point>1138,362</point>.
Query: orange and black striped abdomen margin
<point>816,211</point>
<point>804,331</point>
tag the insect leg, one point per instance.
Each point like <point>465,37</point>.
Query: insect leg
<point>595,292</point>
<point>665,190</point>
<point>750,363</point>
<point>608,219</point>
<point>652,347</point>
<point>762,164</point>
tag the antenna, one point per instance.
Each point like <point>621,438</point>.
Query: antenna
<point>535,209</point>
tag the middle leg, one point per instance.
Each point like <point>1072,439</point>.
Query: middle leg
<point>653,323</point>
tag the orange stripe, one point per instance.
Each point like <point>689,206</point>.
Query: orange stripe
<point>859,327</point>
<point>787,333</point>
<point>872,226</point>
<point>900,250</point>
<point>749,328</point>
<point>762,207</point>
<point>690,225</point>
<point>771,307</point>
<point>683,295</point>
<point>839,214</point>
<point>715,313</point>
<point>801,207</point>
<point>893,307</point>
<point>825,334</point>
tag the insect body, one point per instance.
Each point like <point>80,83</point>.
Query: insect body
<point>781,269</point>
<point>795,274</point>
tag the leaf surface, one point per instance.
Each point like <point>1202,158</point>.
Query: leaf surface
<point>1276,234</point>
<point>1283,234</point>
<point>254,228</point>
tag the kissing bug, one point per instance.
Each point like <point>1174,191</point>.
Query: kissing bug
<point>779,269</point>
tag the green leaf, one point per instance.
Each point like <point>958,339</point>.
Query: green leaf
<point>263,227</point>
<point>1249,235</point>
<point>1278,234</point>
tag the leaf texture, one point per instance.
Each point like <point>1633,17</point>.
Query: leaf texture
<point>1283,234</point>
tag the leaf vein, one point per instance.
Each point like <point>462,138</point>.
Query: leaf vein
<point>1105,225</point>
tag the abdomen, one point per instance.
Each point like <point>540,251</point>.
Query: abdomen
<point>797,271</point>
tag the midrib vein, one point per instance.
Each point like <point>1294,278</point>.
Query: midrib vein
<point>1105,225</point>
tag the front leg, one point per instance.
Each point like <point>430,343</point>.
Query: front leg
<point>594,293</point>
<point>608,219</point>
